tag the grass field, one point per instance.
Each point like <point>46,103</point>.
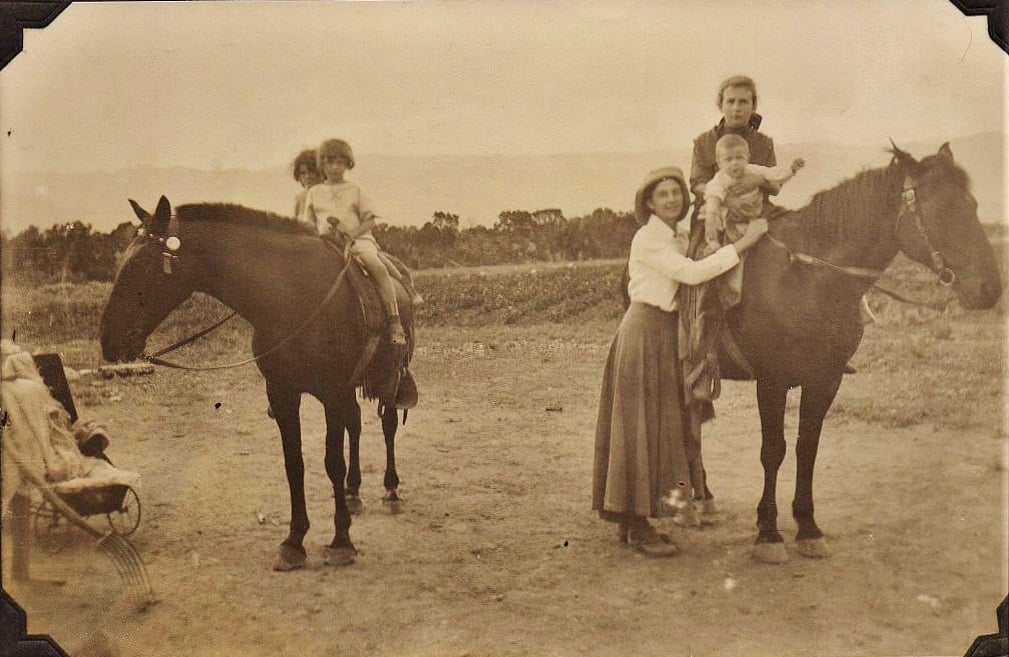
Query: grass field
<point>957,355</point>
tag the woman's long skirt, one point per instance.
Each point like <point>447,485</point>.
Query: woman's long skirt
<point>641,431</point>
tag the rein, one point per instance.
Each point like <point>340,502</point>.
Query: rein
<point>155,360</point>
<point>192,338</point>
<point>908,208</point>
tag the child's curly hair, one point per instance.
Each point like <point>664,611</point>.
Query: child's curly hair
<point>306,158</point>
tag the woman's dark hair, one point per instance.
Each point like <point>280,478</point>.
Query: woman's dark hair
<point>306,158</point>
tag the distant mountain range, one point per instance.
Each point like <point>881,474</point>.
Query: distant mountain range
<point>409,190</point>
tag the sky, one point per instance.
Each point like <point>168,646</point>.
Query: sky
<point>219,85</point>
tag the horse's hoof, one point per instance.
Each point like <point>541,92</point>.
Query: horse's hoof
<point>354,505</point>
<point>393,502</point>
<point>812,548</point>
<point>338,556</point>
<point>770,553</point>
<point>291,558</point>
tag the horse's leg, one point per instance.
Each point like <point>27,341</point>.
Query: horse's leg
<point>812,409</point>
<point>341,551</point>
<point>354,503</point>
<point>704,499</point>
<point>286,407</point>
<point>770,546</point>
<point>390,422</point>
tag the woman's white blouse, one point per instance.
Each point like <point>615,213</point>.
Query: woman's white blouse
<point>658,266</point>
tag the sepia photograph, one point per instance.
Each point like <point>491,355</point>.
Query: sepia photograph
<point>458,328</point>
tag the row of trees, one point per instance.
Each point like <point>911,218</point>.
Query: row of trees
<point>517,236</point>
<point>75,252</point>
<point>64,252</point>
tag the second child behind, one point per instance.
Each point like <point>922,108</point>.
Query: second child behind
<point>341,204</point>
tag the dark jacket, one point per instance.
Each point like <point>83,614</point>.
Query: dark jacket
<point>703,166</point>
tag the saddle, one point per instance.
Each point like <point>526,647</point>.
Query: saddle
<point>382,372</point>
<point>703,330</point>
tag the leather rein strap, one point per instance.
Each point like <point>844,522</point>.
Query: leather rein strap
<point>908,209</point>
<point>155,360</point>
<point>190,339</point>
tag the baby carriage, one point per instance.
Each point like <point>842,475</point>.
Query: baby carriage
<point>105,490</point>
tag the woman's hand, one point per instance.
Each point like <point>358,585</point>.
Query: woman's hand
<point>754,231</point>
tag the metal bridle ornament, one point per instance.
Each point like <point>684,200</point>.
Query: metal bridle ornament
<point>909,209</point>
<point>172,244</point>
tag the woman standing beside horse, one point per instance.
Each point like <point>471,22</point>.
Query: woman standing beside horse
<point>641,449</point>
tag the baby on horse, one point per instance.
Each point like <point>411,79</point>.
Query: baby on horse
<point>734,197</point>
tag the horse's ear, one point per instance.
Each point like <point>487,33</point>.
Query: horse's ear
<point>141,213</point>
<point>159,222</point>
<point>945,151</point>
<point>903,157</point>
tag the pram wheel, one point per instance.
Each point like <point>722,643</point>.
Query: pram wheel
<point>125,520</point>
<point>50,528</point>
<point>46,520</point>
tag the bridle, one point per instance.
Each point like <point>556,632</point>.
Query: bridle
<point>170,242</point>
<point>909,208</point>
<point>170,245</point>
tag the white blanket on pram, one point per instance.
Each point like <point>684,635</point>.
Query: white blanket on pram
<point>101,474</point>
<point>37,436</point>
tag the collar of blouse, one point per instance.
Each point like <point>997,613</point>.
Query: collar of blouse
<point>682,228</point>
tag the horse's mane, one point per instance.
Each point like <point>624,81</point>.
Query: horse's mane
<point>231,213</point>
<point>835,214</point>
<point>845,210</point>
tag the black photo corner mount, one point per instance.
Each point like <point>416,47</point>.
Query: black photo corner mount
<point>997,12</point>
<point>16,16</point>
<point>14,641</point>
<point>994,645</point>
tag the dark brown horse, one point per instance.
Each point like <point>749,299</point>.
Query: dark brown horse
<point>798,324</point>
<point>799,321</point>
<point>276,274</point>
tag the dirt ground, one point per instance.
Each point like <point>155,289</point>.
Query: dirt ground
<point>497,551</point>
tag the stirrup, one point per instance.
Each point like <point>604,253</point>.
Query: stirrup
<point>406,391</point>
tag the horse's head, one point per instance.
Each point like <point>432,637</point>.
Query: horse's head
<point>939,228</point>
<point>151,281</point>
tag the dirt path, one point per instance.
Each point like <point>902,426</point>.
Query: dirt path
<point>497,552</point>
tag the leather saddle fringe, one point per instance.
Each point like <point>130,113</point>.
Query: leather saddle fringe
<point>372,371</point>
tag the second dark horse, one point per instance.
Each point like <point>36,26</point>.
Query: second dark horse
<point>798,323</point>
<point>275,273</point>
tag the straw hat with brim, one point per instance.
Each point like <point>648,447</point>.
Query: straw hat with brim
<point>641,210</point>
